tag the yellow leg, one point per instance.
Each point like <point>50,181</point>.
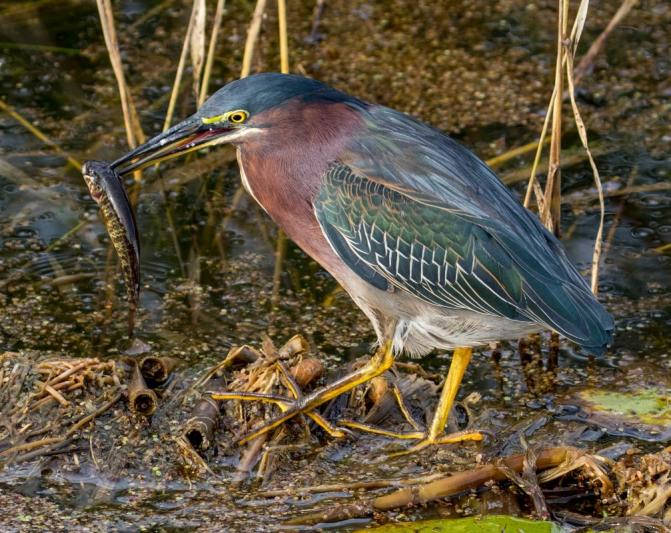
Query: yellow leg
<point>379,363</point>
<point>460,359</point>
<point>434,435</point>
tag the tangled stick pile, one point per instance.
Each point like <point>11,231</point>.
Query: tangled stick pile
<point>45,403</point>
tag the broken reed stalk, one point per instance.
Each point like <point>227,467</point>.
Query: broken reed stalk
<point>200,427</point>
<point>134,133</point>
<point>440,488</point>
<point>197,44</point>
<point>143,401</point>
<point>157,369</point>
<point>304,373</point>
<point>216,25</point>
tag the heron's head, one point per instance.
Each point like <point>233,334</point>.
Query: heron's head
<point>236,113</point>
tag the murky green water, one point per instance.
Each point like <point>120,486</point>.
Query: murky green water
<point>479,70</point>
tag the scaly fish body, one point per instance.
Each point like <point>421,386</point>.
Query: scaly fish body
<point>107,190</point>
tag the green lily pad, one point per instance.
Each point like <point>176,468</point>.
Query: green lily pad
<point>647,406</point>
<point>473,524</point>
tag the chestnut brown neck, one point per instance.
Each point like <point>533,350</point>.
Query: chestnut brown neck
<point>284,165</point>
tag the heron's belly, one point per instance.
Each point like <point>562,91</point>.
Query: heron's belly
<point>417,327</point>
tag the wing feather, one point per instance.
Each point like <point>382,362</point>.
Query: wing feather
<point>451,258</point>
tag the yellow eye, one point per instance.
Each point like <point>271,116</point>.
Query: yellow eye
<point>238,117</point>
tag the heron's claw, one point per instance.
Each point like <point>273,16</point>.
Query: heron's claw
<point>452,438</point>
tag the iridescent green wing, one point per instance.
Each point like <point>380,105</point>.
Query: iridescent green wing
<point>445,257</point>
<point>427,251</point>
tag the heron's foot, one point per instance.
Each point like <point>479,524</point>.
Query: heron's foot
<point>451,438</point>
<point>307,404</point>
<point>286,405</point>
<point>434,435</point>
<point>424,438</point>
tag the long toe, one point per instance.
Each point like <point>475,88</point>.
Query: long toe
<point>452,438</point>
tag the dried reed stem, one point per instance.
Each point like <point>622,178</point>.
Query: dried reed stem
<point>582,132</point>
<point>281,246</point>
<point>581,70</point>
<point>218,16</point>
<point>180,67</point>
<point>588,59</point>
<point>134,133</point>
<point>551,215</point>
<point>440,488</point>
<point>197,44</point>
<point>284,40</point>
<point>252,37</point>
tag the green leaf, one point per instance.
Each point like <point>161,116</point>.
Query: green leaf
<point>648,406</point>
<point>474,524</point>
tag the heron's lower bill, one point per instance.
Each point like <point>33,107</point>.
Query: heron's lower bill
<point>183,138</point>
<point>107,189</point>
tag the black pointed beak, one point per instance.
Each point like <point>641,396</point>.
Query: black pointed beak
<point>189,135</point>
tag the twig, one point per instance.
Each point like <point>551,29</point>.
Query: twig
<point>357,485</point>
<point>42,48</point>
<point>93,415</point>
<point>151,13</point>
<point>618,216</point>
<point>30,445</point>
<point>316,20</point>
<point>56,395</point>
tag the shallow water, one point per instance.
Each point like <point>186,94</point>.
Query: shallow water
<point>481,72</point>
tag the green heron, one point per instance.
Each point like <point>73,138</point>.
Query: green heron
<point>424,237</point>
